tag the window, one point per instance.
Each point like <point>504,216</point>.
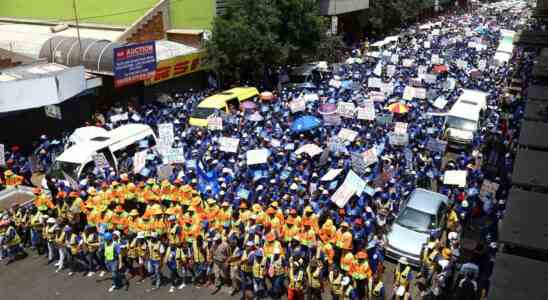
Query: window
<point>60,168</point>
<point>202,112</point>
<point>460,123</point>
<point>413,219</point>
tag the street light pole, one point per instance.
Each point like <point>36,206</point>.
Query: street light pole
<point>77,30</point>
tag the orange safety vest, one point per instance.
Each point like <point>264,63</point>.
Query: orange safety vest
<point>347,261</point>
<point>344,240</point>
<point>360,271</point>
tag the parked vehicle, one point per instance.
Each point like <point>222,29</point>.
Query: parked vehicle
<point>222,102</point>
<point>464,118</point>
<point>116,145</point>
<point>421,213</point>
<point>308,75</point>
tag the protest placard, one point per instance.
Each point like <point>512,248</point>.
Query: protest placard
<point>342,195</point>
<point>378,69</point>
<point>100,161</point>
<point>331,174</point>
<point>275,143</point>
<point>462,64</point>
<point>422,70</point>
<point>398,139</point>
<point>455,177</point>
<point>346,109</point>
<point>376,96</point>
<point>384,119</point>
<point>2,155</point>
<point>215,123</point>
<point>324,158</point>
<point>166,135</point>
<point>358,163</point>
<point>488,187</point>
<point>332,120</point>
<point>370,157</point>
<point>297,105</point>
<point>407,63</point>
<point>400,127</point>
<point>366,111</point>
<point>436,145</point>
<point>482,65</point>
<point>387,89</point>
<point>164,172</point>
<point>420,93</point>
<point>355,182</point>
<point>335,83</point>
<point>374,82</point>
<point>257,156</point>
<point>408,93</point>
<point>429,78</point>
<point>139,161</point>
<point>310,149</point>
<point>174,156</point>
<point>395,59</point>
<point>227,144</point>
<point>390,70</point>
<point>243,193</point>
<point>347,134</point>
<point>311,97</point>
<point>426,45</point>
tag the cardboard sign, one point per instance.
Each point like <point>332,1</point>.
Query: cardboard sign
<point>164,172</point>
<point>2,155</point>
<point>374,82</point>
<point>310,149</point>
<point>398,139</point>
<point>390,70</point>
<point>366,111</point>
<point>420,93</point>
<point>384,119</point>
<point>347,134</point>
<point>297,105</point>
<point>408,93</point>
<point>488,187</point>
<point>407,63</point>
<point>100,161</point>
<point>139,161</point>
<point>332,120</point>
<point>227,144</point>
<point>400,127</point>
<point>342,195</point>
<point>436,145</point>
<point>355,182</point>
<point>257,156</point>
<point>331,174</point>
<point>370,157</point>
<point>174,156</point>
<point>215,123</point>
<point>422,70</point>
<point>453,177</point>
<point>346,109</point>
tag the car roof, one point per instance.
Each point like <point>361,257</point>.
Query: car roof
<point>219,100</point>
<point>426,201</point>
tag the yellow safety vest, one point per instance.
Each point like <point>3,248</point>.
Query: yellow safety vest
<point>245,266</point>
<point>314,277</point>
<point>198,255</point>
<point>335,283</point>
<point>15,240</point>
<point>109,252</point>
<point>259,268</point>
<point>296,282</point>
<point>154,250</point>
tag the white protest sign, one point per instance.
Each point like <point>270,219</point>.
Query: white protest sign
<point>429,78</point>
<point>376,96</point>
<point>2,155</point>
<point>139,161</point>
<point>387,89</point>
<point>408,93</point>
<point>164,171</point>
<point>398,139</point>
<point>400,127</point>
<point>435,59</point>
<point>347,134</point>
<point>455,177</point>
<point>342,195</point>
<point>257,156</point>
<point>440,102</point>
<point>378,69</point>
<point>482,64</point>
<point>420,93</point>
<point>462,64</point>
<point>335,83</point>
<point>165,132</point>
<point>370,157</point>
<point>427,45</point>
<point>332,120</point>
<point>407,63</point>
<point>488,187</point>
<point>435,32</point>
<point>422,70</point>
<point>227,144</point>
<point>356,182</point>
<point>374,82</point>
<point>310,149</point>
<point>331,174</point>
<point>311,97</point>
<point>390,70</point>
<point>275,143</point>
<point>100,161</point>
<point>366,111</point>
<point>297,105</point>
<point>395,59</point>
<point>346,109</point>
<point>215,123</point>
<point>174,156</point>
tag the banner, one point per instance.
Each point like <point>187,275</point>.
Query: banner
<point>346,109</point>
<point>297,105</point>
<point>139,161</point>
<point>366,111</point>
<point>227,144</point>
<point>347,134</point>
<point>177,66</point>
<point>134,63</point>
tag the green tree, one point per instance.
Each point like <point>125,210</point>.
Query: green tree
<point>385,15</point>
<point>254,35</point>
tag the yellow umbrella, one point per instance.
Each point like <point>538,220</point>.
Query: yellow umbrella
<point>398,108</point>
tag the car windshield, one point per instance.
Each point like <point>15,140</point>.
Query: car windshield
<point>202,112</point>
<point>60,168</point>
<point>460,123</point>
<point>298,78</point>
<point>415,220</point>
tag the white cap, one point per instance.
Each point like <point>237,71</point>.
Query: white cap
<point>140,235</point>
<point>453,235</point>
<point>345,280</point>
<point>116,233</point>
<point>51,221</point>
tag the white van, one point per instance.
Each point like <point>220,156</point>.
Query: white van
<point>116,145</point>
<point>463,119</point>
<point>376,49</point>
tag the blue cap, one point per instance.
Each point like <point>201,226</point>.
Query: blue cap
<point>107,236</point>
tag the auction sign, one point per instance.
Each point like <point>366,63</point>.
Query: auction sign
<point>134,63</point>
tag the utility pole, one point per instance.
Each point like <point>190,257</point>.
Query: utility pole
<point>77,30</point>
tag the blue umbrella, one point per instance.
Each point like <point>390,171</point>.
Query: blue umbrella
<point>305,123</point>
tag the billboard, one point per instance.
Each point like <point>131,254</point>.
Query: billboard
<point>134,63</point>
<point>177,66</point>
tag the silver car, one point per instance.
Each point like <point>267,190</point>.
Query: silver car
<point>421,213</point>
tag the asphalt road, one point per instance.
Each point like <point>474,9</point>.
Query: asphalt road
<point>31,278</point>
